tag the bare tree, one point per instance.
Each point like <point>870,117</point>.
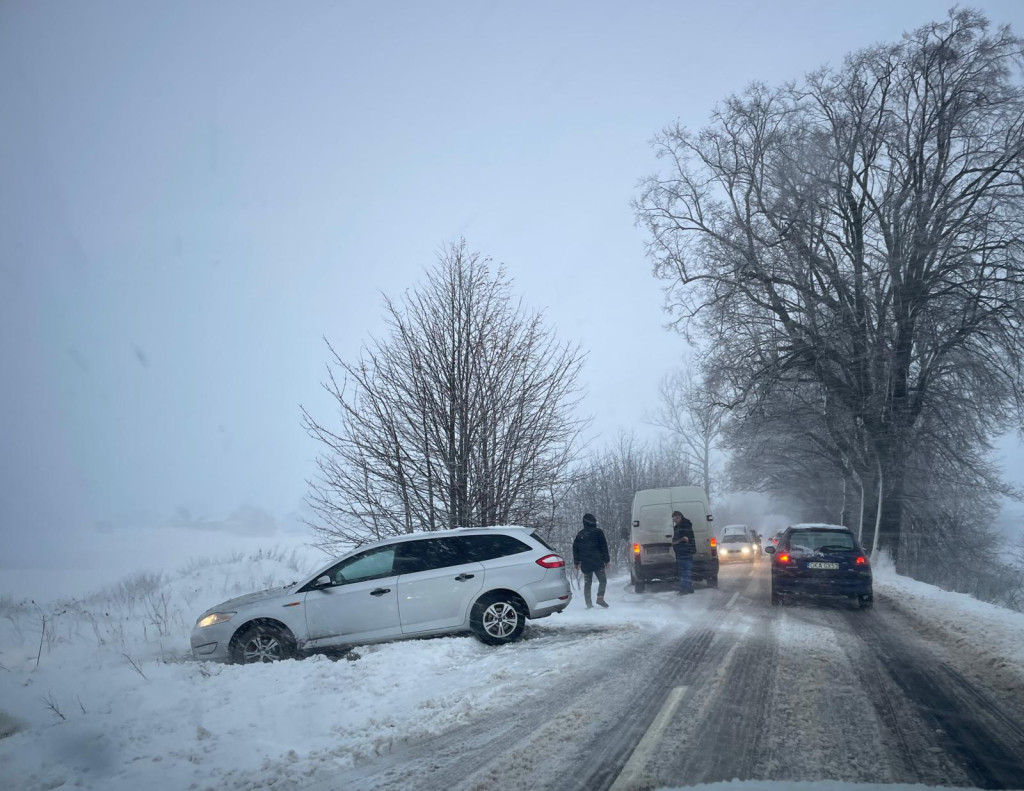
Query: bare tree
<point>465,414</point>
<point>607,481</point>
<point>689,410</point>
<point>863,231</point>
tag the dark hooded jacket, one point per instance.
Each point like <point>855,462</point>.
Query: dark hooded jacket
<point>590,549</point>
<point>684,528</point>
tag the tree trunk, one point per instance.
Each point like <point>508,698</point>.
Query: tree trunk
<point>878,515</point>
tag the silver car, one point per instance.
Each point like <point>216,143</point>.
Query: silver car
<point>484,580</point>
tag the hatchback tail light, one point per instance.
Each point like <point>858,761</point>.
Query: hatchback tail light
<point>861,561</point>
<point>551,562</point>
<point>783,558</point>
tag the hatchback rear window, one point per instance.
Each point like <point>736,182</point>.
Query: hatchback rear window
<point>817,540</point>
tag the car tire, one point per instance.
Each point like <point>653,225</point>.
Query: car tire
<point>866,601</point>
<point>497,619</point>
<point>639,585</point>
<point>262,643</point>
<point>713,581</point>
<point>776,597</point>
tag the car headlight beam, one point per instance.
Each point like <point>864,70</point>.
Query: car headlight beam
<point>213,618</point>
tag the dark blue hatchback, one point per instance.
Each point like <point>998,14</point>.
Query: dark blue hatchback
<point>820,560</point>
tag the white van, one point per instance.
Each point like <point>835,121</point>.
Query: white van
<point>650,534</point>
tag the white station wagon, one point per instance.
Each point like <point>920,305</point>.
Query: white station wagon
<point>484,580</point>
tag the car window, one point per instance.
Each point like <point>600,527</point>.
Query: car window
<point>735,539</point>
<point>428,554</point>
<point>537,537</point>
<point>495,546</point>
<point>817,540</point>
<point>368,565</point>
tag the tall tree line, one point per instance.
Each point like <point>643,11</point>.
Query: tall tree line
<point>850,246</point>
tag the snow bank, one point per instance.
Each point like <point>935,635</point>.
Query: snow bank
<point>991,637</point>
<point>107,697</point>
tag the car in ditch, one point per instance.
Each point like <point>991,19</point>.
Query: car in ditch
<point>487,581</point>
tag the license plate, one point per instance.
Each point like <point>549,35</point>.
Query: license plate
<point>816,565</point>
<point>657,551</point>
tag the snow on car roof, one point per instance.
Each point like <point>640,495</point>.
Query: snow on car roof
<point>818,526</point>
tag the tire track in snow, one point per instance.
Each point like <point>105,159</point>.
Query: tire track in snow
<point>984,742</point>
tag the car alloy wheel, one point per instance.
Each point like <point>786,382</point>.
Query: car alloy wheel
<point>500,620</point>
<point>262,644</point>
<point>261,648</point>
<point>497,619</point>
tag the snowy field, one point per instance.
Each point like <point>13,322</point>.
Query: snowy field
<point>99,691</point>
<point>106,696</point>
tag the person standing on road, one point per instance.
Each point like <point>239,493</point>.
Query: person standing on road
<point>590,555</point>
<point>685,545</point>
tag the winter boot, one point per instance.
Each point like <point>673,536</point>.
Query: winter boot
<point>601,602</point>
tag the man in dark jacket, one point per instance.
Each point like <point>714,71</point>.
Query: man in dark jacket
<point>685,545</point>
<point>590,555</point>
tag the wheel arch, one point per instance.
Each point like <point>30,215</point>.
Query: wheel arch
<point>506,593</point>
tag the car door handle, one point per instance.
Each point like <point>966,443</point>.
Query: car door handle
<point>464,577</point>
<point>380,591</point>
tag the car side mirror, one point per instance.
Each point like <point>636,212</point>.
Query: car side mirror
<point>624,533</point>
<point>770,550</point>
<point>323,581</point>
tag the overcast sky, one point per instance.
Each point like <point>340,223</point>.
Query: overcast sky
<point>193,195</point>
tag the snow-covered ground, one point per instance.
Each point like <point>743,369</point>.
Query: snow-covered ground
<point>105,695</point>
<point>108,698</point>
<point>982,639</point>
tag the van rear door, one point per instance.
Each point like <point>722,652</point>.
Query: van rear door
<point>654,533</point>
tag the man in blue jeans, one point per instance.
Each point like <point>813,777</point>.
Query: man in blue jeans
<point>685,545</point>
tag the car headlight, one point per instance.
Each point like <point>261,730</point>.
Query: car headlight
<point>725,551</point>
<point>745,550</point>
<point>214,617</point>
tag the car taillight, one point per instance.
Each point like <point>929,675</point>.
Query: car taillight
<point>551,562</point>
<point>714,541</point>
<point>861,561</point>
<point>636,549</point>
<point>783,558</point>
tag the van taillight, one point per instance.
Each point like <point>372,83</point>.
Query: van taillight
<point>714,541</point>
<point>551,562</point>
<point>636,549</point>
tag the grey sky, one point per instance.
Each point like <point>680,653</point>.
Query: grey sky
<point>192,194</point>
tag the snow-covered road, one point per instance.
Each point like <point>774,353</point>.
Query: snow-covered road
<point>658,691</point>
<point>809,691</point>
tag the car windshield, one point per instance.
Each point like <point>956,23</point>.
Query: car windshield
<point>497,326</point>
